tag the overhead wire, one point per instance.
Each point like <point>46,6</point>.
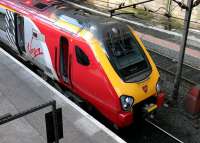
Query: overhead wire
<point>155,12</point>
<point>152,11</point>
<point>105,2</point>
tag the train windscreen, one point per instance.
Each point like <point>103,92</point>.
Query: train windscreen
<point>126,55</point>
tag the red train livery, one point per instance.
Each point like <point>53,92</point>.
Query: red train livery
<point>101,60</point>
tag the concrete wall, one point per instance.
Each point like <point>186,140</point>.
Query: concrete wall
<point>176,10</point>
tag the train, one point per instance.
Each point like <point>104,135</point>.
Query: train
<point>98,58</point>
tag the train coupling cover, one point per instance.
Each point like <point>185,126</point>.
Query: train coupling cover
<point>149,110</point>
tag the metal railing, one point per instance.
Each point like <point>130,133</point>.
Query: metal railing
<point>8,117</point>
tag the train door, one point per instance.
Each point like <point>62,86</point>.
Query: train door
<point>64,60</point>
<point>82,70</point>
<point>20,41</point>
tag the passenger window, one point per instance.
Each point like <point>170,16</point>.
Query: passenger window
<point>81,57</point>
<point>3,19</point>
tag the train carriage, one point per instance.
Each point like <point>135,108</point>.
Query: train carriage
<point>101,60</point>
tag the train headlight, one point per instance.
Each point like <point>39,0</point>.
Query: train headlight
<point>158,87</point>
<point>127,102</point>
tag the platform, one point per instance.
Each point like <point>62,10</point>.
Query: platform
<point>21,89</point>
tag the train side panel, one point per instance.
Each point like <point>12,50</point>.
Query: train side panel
<point>91,83</point>
<point>37,47</point>
<point>53,39</point>
<point>34,47</point>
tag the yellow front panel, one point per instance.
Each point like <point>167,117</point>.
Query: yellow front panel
<point>65,25</point>
<point>122,88</point>
<point>131,89</point>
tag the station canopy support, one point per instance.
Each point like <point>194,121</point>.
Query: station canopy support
<point>177,80</point>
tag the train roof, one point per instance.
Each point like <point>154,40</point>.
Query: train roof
<point>57,10</point>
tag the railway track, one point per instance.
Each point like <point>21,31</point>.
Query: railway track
<point>147,131</point>
<point>175,139</point>
<point>167,68</point>
<point>169,65</point>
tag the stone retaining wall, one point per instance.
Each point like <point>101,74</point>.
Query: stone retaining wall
<point>155,5</point>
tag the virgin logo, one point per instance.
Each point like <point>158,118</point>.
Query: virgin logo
<point>34,51</point>
<point>145,88</point>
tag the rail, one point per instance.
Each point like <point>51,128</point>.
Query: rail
<point>162,130</point>
<point>172,73</point>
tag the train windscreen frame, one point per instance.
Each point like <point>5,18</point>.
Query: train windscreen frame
<point>126,55</point>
